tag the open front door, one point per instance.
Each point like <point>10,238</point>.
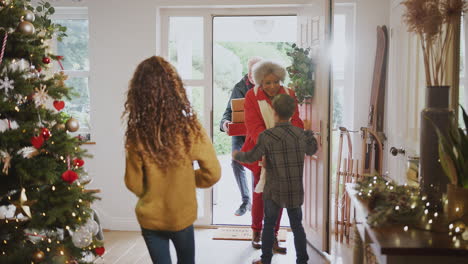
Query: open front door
<point>313,32</point>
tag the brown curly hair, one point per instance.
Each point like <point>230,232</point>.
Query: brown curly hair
<point>160,119</point>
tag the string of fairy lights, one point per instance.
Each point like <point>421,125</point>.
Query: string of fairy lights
<point>390,203</point>
<point>51,243</point>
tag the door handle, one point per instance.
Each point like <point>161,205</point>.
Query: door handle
<point>395,151</point>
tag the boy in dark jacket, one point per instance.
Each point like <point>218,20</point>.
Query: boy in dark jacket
<point>284,147</point>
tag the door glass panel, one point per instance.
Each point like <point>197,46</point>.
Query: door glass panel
<point>196,97</point>
<point>270,37</point>
<point>186,46</point>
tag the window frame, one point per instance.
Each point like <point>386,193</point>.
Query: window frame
<point>72,13</point>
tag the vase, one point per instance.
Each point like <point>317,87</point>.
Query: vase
<point>433,181</point>
<point>457,203</point>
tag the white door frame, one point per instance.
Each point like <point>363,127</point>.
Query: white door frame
<point>208,13</point>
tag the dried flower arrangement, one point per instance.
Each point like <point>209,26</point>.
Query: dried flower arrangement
<point>435,22</point>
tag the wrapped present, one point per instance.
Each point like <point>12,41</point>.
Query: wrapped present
<point>237,105</point>
<point>237,117</point>
<point>237,129</point>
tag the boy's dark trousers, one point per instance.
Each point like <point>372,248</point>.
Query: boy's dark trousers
<point>272,211</point>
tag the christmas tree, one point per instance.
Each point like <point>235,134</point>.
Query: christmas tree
<point>45,214</point>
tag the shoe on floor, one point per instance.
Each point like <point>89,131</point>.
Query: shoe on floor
<point>277,249</point>
<point>243,208</point>
<point>256,239</point>
<point>258,261</point>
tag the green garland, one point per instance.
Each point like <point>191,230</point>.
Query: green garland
<point>389,203</point>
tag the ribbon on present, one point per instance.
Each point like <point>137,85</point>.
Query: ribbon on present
<point>59,60</point>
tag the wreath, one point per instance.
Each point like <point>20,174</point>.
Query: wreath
<point>301,73</point>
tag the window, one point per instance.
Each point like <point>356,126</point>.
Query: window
<point>463,86</point>
<point>186,46</point>
<point>75,62</point>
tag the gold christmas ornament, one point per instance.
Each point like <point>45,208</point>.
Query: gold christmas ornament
<point>72,125</point>
<point>22,205</point>
<point>29,16</point>
<point>38,256</point>
<point>26,27</point>
<point>59,126</point>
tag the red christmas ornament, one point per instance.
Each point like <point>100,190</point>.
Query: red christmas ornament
<point>69,176</point>
<point>46,60</point>
<point>37,141</point>
<point>78,162</point>
<point>99,251</point>
<point>59,105</point>
<point>45,132</point>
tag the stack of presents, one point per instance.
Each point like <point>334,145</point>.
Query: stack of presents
<point>237,126</point>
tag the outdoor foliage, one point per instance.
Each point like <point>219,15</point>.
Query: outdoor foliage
<point>230,65</point>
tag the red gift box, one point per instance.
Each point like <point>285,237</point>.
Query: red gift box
<point>237,129</point>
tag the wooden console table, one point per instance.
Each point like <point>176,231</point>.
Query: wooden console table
<point>394,245</point>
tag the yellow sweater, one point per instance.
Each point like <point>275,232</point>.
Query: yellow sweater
<point>167,199</point>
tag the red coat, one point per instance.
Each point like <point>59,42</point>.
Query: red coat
<point>254,120</point>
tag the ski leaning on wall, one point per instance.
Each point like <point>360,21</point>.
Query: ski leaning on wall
<point>373,134</point>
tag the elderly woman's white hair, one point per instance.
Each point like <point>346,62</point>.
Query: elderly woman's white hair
<point>265,67</point>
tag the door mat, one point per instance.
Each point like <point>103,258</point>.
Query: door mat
<point>242,233</point>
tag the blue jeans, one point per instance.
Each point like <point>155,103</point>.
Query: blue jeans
<point>272,210</point>
<point>239,171</point>
<point>158,245</point>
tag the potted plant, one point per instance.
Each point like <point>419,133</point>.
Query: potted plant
<point>436,22</point>
<point>302,73</point>
<point>453,153</point>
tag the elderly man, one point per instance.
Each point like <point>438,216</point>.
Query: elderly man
<point>239,91</point>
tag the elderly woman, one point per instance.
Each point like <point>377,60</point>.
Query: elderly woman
<point>259,116</point>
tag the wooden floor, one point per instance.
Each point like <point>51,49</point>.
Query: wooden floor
<point>124,247</point>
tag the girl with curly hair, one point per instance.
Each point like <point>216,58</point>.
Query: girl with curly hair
<point>162,140</point>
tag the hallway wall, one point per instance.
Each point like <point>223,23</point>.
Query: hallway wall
<point>369,15</point>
